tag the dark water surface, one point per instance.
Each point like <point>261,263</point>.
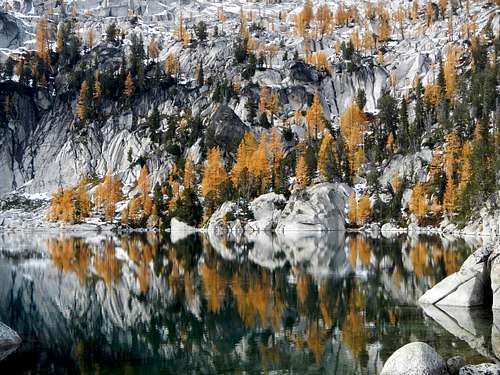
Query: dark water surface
<point>144,304</point>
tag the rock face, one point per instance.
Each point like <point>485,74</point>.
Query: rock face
<point>482,369</point>
<point>466,287</point>
<point>318,208</point>
<point>227,128</point>
<point>266,211</point>
<point>495,278</point>
<point>12,33</point>
<point>416,358</point>
<point>8,337</point>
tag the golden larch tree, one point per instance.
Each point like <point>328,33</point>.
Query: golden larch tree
<point>189,175</point>
<point>418,201</point>
<point>42,40</point>
<point>302,173</point>
<point>276,155</point>
<point>352,128</point>
<point>314,118</point>
<point>364,209</point>
<point>353,208</point>
<point>244,155</point>
<point>324,157</point>
<point>82,102</point>
<point>129,86</point>
<point>214,173</point>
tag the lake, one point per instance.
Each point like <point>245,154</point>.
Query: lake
<point>154,303</point>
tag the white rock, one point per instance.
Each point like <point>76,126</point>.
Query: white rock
<point>463,288</point>
<point>482,369</point>
<point>266,210</point>
<point>318,208</point>
<point>180,230</point>
<point>416,358</point>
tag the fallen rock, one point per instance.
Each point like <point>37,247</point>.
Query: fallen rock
<point>416,358</point>
<point>318,208</point>
<point>482,369</point>
<point>454,365</point>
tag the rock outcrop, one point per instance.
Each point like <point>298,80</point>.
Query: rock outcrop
<point>266,211</point>
<point>416,358</point>
<point>318,208</point>
<point>467,287</point>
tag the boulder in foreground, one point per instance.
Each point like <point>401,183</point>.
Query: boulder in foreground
<point>482,369</point>
<point>416,358</point>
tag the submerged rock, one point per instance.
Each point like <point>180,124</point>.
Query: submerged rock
<point>416,358</point>
<point>318,208</point>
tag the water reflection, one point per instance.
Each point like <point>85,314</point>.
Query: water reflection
<point>211,304</point>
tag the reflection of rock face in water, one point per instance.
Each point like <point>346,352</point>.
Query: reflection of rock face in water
<point>469,325</point>
<point>324,300</point>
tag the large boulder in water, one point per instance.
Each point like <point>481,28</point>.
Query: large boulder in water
<point>416,358</point>
<point>466,287</point>
<point>318,208</point>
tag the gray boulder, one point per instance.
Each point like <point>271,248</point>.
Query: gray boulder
<point>416,358</point>
<point>464,288</point>
<point>227,128</point>
<point>266,211</point>
<point>482,369</point>
<point>318,208</point>
<point>495,279</point>
<point>455,364</point>
<point>8,337</point>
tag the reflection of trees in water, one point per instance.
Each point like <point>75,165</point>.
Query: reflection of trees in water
<point>281,313</point>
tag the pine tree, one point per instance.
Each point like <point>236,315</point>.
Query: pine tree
<point>260,167</point>
<point>276,154</point>
<point>364,209</point>
<point>302,173</point>
<point>42,40</point>
<point>97,87</point>
<point>82,105</point>
<point>90,39</point>
<point>172,66</point>
<point>352,128</point>
<point>324,20</point>
<point>418,202</point>
<point>189,175</point>
<point>143,184</point>
<point>214,173</point>
<point>129,86</point>
<point>244,155</point>
<point>153,49</point>
<point>353,208</point>
<point>326,158</point>
<point>314,118</point>
<point>449,199</point>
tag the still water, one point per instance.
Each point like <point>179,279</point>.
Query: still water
<point>151,303</point>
